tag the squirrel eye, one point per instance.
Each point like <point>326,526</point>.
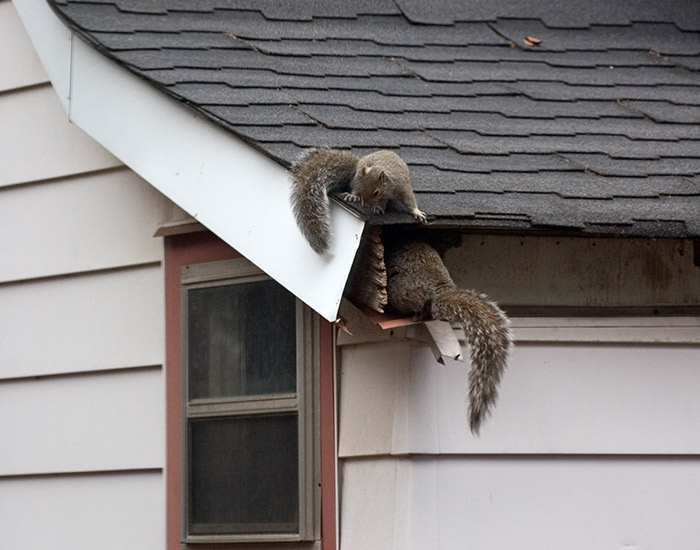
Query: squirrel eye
<point>375,192</point>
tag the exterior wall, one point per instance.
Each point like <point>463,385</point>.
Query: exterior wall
<point>593,442</point>
<point>82,442</point>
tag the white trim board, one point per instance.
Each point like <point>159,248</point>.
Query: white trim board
<point>232,189</point>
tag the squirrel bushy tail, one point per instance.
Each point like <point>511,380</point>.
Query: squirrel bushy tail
<point>372,180</point>
<point>315,173</point>
<point>419,283</point>
<point>488,336</point>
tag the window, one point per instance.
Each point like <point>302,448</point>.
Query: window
<point>250,463</point>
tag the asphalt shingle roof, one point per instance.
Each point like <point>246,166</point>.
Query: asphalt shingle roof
<point>594,129</point>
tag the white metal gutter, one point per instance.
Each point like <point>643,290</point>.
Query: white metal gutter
<point>235,191</point>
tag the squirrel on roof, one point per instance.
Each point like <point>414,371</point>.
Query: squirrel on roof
<point>418,281</point>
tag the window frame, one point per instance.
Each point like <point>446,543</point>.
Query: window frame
<point>302,402</point>
<point>187,244</point>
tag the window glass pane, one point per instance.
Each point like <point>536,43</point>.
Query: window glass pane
<point>242,340</point>
<point>243,474</point>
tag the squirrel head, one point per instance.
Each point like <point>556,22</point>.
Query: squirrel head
<point>374,185</point>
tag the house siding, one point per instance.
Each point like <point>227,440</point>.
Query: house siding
<point>95,221</point>
<point>82,442</point>
<point>41,142</point>
<point>22,68</point>
<point>593,442</point>
<point>577,503</point>
<point>106,510</point>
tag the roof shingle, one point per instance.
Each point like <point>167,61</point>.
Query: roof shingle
<point>595,129</point>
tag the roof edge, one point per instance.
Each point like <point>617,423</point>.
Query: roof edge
<point>231,188</point>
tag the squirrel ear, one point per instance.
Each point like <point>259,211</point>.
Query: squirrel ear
<point>365,169</point>
<point>382,176</point>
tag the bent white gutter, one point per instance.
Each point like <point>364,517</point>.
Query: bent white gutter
<point>235,191</point>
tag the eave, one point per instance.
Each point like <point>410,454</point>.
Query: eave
<point>236,192</point>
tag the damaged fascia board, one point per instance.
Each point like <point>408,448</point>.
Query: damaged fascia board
<point>236,192</point>
<point>439,335</point>
<point>443,341</point>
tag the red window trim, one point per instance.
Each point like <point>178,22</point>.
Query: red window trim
<point>201,247</point>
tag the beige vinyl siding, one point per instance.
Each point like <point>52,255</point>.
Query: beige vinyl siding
<point>22,67</point>
<point>573,386</point>
<point>82,441</point>
<point>593,442</point>
<point>90,222</point>
<point>108,421</point>
<point>529,503</point>
<point>91,322</point>
<point>109,511</point>
<point>40,140</point>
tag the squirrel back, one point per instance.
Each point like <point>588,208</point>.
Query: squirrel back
<point>373,179</point>
<point>419,283</point>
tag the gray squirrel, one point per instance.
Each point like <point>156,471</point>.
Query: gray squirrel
<point>419,284</point>
<point>372,180</point>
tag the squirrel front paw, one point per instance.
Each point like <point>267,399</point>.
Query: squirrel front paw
<point>376,209</point>
<point>350,197</point>
<point>419,215</point>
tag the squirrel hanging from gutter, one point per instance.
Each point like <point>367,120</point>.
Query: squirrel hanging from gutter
<point>419,284</point>
<point>418,281</point>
